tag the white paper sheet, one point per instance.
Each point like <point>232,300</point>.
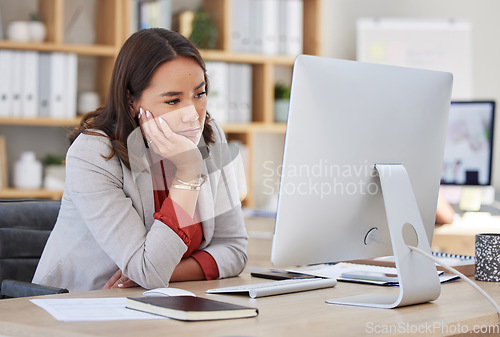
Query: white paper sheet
<point>336,271</point>
<point>91,309</point>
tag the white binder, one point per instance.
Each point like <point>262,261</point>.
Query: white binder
<point>71,65</point>
<point>234,85</point>
<point>240,93</point>
<point>245,101</point>
<point>29,95</point>
<point>57,85</point>
<point>240,38</point>
<point>5,81</point>
<point>16,82</point>
<point>270,27</point>
<point>44,79</point>
<point>293,26</point>
<point>218,100</point>
<point>255,12</point>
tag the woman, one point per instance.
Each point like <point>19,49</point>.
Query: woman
<point>150,194</point>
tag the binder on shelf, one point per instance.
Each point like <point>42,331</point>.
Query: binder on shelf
<point>234,85</point>
<point>44,84</point>
<point>29,93</point>
<point>6,57</point>
<point>244,94</point>
<point>218,100</point>
<point>282,33</point>
<point>71,65</point>
<point>255,11</point>
<point>241,41</point>
<point>293,27</point>
<point>270,27</point>
<point>57,85</point>
<point>16,82</point>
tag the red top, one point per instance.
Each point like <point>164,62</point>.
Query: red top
<point>171,214</point>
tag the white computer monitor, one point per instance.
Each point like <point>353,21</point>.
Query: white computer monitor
<point>346,117</point>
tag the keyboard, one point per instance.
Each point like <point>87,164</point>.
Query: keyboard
<point>277,287</point>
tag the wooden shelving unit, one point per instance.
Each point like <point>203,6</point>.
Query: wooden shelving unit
<point>15,193</point>
<point>81,49</point>
<point>113,28</point>
<point>39,122</point>
<point>110,34</point>
<point>263,75</point>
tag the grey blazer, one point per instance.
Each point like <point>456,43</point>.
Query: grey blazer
<point>106,219</point>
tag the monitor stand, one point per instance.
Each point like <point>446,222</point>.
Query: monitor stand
<point>418,279</point>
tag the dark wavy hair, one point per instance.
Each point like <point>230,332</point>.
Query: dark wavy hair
<point>137,61</point>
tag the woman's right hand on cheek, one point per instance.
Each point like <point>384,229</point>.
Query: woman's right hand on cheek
<point>181,151</point>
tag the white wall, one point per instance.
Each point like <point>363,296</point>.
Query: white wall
<point>339,38</point>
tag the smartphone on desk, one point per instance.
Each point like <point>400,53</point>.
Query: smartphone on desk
<point>275,274</point>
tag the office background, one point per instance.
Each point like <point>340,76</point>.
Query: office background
<point>339,27</point>
<point>338,40</point>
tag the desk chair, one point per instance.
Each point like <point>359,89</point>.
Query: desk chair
<point>25,226</point>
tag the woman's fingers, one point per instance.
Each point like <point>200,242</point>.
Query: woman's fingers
<point>120,281</point>
<point>113,279</point>
<point>165,142</point>
<point>127,284</point>
<point>149,127</point>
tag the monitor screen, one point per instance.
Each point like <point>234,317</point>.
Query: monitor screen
<point>345,117</point>
<point>469,144</point>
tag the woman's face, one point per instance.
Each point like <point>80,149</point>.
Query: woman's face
<point>177,93</point>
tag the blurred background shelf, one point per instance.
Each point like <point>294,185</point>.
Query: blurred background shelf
<point>15,193</point>
<point>111,24</point>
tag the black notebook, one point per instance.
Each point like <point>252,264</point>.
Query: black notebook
<point>189,308</point>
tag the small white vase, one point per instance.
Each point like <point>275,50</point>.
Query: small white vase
<point>18,31</point>
<point>55,176</point>
<point>28,171</point>
<point>281,110</point>
<point>88,101</point>
<point>37,31</point>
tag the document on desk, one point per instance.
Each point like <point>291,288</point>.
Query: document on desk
<point>337,270</point>
<point>91,309</point>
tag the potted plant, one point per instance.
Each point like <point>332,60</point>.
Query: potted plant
<point>55,172</point>
<point>281,102</point>
<point>204,32</point>
<point>37,28</point>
